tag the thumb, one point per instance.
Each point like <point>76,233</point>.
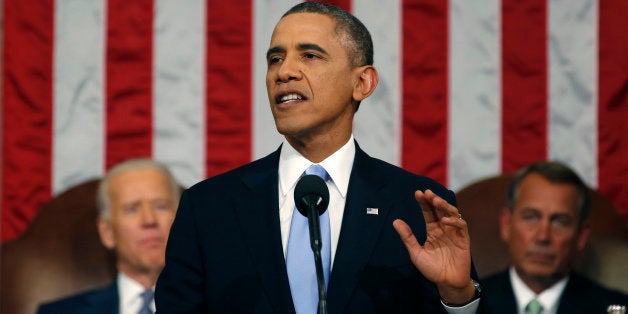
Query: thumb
<point>407,237</point>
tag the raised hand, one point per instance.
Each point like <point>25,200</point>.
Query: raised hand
<point>445,257</point>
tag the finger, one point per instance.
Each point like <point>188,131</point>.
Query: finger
<point>455,230</point>
<point>455,222</point>
<point>428,209</point>
<point>407,236</point>
<point>431,203</point>
<point>442,208</point>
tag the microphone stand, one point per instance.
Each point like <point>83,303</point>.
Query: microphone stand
<point>316,244</point>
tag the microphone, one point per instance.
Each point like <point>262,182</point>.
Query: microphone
<point>311,190</point>
<point>311,197</point>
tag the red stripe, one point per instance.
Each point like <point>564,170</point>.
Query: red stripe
<point>344,4</point>
<point>424,125</point>
<point>229,86</point>
<point>613,102</point>
<point>26,112</point>
<point>129,79</point>
<point>524,82</point>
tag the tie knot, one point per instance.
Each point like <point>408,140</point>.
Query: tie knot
<point>534,307</point>
<point>317,170</point>
<point>147,298</point>
<point>147,295</point>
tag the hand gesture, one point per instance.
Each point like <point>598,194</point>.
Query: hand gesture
<point>445,257</point>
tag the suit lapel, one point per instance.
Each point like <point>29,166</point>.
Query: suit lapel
<point>576,297</point>
<point>104,301</point>
<point>258,214</point>
<point>505,295</point>
<point>359,230</point>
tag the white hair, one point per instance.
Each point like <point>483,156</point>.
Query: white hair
<point>103,202</point>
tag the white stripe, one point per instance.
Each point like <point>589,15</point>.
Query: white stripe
<point>573,85</point>
<point>377,124</point>
<point>179,88</point>
<point>474,91</point>
<point>266,14</point>
<point>78,93</point>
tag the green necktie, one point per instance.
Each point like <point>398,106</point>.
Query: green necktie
<point>534,307</point>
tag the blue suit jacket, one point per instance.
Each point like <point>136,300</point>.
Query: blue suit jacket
<point>225,254</point>
<point>99,301</point>
<point>581,295</point>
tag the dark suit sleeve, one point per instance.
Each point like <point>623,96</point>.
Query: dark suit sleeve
<point>180,287</point>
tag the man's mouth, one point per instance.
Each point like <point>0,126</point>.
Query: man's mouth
<point>541,257</point>
<point>151,240</point>
<point>284,98</point>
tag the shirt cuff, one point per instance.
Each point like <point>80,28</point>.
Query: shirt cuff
<point>465,309</point>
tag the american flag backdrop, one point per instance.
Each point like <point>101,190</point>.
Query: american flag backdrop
<point>468,89</point>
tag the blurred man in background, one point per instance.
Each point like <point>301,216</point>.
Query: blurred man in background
<point>544,225</point>
<point>137,202</point>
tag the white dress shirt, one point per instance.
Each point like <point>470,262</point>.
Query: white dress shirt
<point>548,298</point>
<point>129,293</point>
<point>291,167</point>
<point>339,165</point>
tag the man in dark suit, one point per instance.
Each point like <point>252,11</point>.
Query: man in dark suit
<point>545,224</point>
<point>137,203</point>
<point>230,250</point>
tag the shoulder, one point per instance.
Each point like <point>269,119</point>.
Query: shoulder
<point>583,295</point>
<point>80,303</point>
<point>245,174</point>
<point>497,282</point>
<point>587,286</point>
<point>498,294</point>
<point>373,169</point>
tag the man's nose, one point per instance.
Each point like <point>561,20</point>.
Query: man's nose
<point>290,69</point>
<point>148,215</point>
<point>544,231</point>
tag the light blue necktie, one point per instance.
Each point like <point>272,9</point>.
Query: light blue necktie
<point>300,259</point>
<point>147,298</point>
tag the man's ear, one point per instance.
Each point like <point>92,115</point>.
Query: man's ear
<point>583,236</point>
<point>504,224</point>
<point>366,81</point>
<point>106,233</point>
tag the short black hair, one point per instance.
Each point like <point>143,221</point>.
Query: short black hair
<point>359,39</point>
<point>555,172</point>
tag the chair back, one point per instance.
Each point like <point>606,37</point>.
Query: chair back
<point>59,254</point>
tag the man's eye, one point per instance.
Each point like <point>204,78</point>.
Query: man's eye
<point>161,205</point>
<point>562,221</point>
<point>310,56</point>
<point>273,60</point>
<point>530,217</point>
<point>131,209</point>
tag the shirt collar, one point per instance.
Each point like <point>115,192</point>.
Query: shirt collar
<point>128,290</point>
<point>292,165</point>
<point>548,297</point>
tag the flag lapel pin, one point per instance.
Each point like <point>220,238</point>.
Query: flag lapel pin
<point>372,211</point>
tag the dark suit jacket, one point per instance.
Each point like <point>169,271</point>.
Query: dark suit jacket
<point>581,295</point>
<point>99,301</point>
<point>225,255</point>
